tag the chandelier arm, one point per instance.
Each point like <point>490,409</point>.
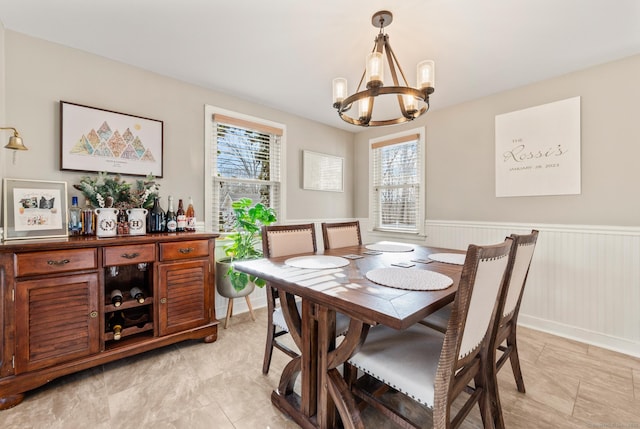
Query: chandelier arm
<point>393,54</point>
<point>391,58</point>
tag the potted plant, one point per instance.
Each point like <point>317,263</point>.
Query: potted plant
<point>244,244</point>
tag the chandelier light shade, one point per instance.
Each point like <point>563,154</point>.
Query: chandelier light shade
<point>410,102</point>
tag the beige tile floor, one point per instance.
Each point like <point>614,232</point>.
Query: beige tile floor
<point>220,385</point>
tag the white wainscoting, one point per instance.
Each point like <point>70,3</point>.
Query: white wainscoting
<point>584,281</point>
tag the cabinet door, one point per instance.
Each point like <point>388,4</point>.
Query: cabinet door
<point>56,320</point>
<point>184,296</point>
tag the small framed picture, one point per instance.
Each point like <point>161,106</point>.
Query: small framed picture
<point>34,209</point>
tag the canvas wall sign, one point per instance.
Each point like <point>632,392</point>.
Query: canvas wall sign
<point>538,150</point>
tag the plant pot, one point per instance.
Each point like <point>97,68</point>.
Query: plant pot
<point>223,283</point>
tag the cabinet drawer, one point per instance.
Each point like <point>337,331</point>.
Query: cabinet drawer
<point>184,250</point>
<point>56,261</point>
<point>125,255</point>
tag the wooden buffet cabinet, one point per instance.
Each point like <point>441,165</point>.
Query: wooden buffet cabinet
<point>55,304</point>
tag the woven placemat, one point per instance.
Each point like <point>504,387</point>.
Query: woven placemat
<point>389,246</point>
<point>317,262</point>
<point>449,258</point>
<point>409,279</point>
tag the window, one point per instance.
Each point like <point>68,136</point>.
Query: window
<point>397,182</point>
<point>244,161</point>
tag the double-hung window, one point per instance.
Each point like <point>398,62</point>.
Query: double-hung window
<point>244,161</point>
<point>397,182</point>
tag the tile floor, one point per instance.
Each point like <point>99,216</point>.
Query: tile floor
<point>220,385</point>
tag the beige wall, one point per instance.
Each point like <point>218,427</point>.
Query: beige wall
<point>3,122</point>
<point>39,74</point>
<point>460,153</point>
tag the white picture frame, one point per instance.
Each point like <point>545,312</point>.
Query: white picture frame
<point>34,209</point>
<point>322,172</point>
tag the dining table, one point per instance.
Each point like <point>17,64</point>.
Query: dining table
<point>383,283</point>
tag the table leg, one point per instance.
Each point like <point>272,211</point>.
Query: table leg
<point>334,393</point>
<point>309,361</point>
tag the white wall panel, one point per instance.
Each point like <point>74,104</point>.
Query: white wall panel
<point>584,281</point>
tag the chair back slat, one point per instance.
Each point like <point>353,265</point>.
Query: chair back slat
<point>483,298</point>
<point>341,234</point>
<point>284,240</point>
<point>525,245</point>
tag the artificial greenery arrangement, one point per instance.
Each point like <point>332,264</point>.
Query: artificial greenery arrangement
<point>248,221</point>
<point>112,191</point>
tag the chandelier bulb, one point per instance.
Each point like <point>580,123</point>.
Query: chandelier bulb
<point>339,91</point>
<point>426,74</point>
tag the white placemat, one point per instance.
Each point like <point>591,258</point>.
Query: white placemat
<point>389,246</point>
<point>410,279</point>
<point>449,258</point>
<point>317,262</point>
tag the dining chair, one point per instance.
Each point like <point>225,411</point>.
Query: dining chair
<point>434,368</point>
<point>341,234</point>
<point>506,339</point>
<point>285,240</point>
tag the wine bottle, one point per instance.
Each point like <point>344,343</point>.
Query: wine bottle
<point>137,294</point>
<point>123,223</point>
<point>181,217</point>
<point>156,217</point>
<point>75,217</point>
<point>116,322</point>
<point>116,297</point>
<point>191,217</point>
<point>88,220</point>
<point>172,220</point>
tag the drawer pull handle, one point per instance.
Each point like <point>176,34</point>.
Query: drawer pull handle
<point>186,250</point>
<point>93,314</point>
<point>130,255</point>
<point>62,262</point>
<point>163,300</point>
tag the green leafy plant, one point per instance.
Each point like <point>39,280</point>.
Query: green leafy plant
<point>245,239</point>
<point>112,191</point>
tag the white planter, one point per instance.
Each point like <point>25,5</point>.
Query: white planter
<point>223,284</point>
<point>106,222</point>
<point>137,221</point>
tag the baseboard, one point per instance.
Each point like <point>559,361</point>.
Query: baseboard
<point>597,339</point>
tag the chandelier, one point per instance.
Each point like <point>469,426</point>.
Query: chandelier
<point>411,102</point>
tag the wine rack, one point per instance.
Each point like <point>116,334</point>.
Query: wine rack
<point>138,317</point>
<point>55,302</point>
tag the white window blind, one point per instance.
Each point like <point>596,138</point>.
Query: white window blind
<point>396,193</point>
<point>245,158</point>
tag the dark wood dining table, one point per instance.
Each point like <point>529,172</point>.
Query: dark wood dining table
<point>323,292</point>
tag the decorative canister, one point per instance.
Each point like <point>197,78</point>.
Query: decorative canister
<point>137,221</point>
<point>107,222</point>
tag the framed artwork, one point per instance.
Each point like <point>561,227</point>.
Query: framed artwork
<point>98,140</point>
<point>538,150</point>
<point>322,172</point>
<point>34,209</point>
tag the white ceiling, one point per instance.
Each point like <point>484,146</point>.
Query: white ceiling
<point>285,53</point>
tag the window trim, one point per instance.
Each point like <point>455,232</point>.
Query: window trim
<point>396,138</point>
<point>240,120</point>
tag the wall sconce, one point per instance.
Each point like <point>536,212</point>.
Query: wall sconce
<point>15,141</point>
